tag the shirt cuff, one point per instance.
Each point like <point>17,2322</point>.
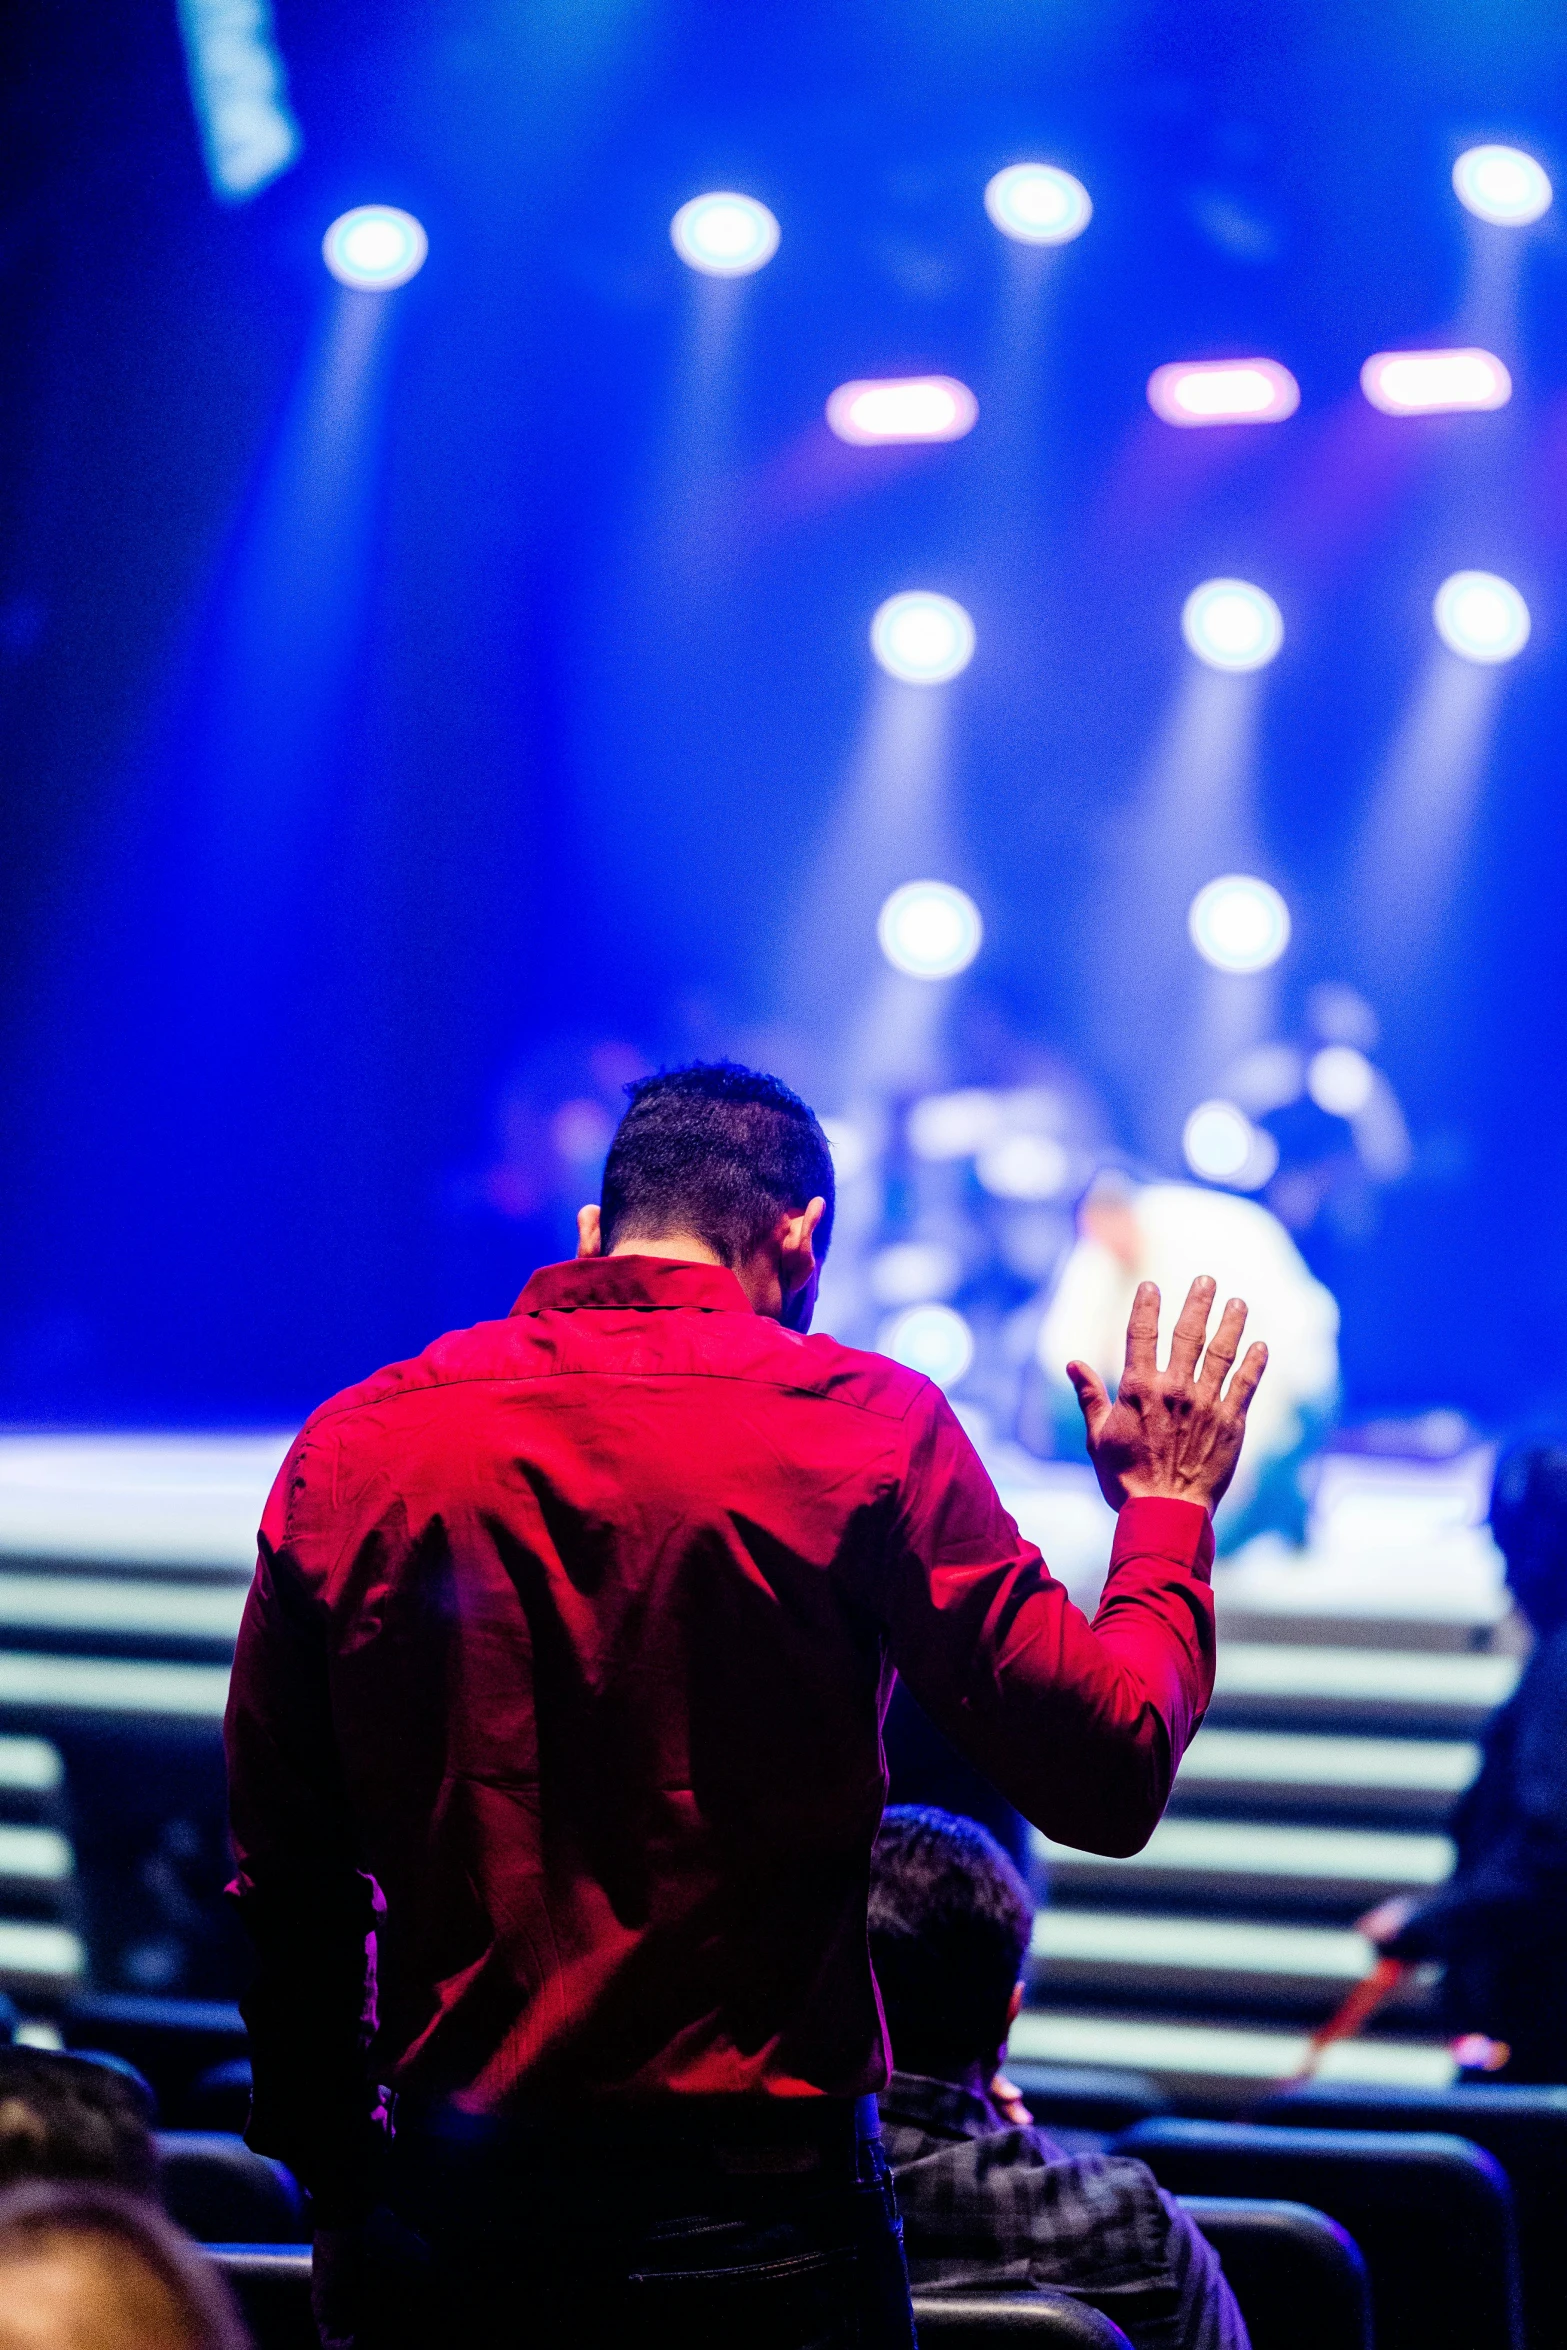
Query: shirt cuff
<point>1153,1527</point>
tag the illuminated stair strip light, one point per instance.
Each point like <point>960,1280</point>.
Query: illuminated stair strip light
<point>173,1503</point>
<point>1265,1668</point>
<point>40,1954</point>
<point>1212,2051</point>
<point>35,1856</point>
<point>30,1766</point>
<point>1232,1848</point>
<point>1277,1758</point>
<point>108,1685</point>
<point>72,1603</point>
<point>1198,1945</point>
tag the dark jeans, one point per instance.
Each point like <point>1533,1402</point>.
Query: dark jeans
<point>773,2231</point>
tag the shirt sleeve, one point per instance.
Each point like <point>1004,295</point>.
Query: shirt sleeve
<point>1207,2316</point>
<point>1080,1726</point>
<point>309,1908</point>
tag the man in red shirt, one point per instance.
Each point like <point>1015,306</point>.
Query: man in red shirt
<point>555,1758</point>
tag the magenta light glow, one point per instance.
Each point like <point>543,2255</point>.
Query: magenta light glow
<point>1434,383</point>
<point>1223,391</point>
<point>902,408</point>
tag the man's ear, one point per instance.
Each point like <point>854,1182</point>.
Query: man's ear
<point>1015,2006</point>
<point>797,1269</point>
<point>590,1236</point>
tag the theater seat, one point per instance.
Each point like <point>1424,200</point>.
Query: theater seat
<point>1525,2127</point>
<point>1432,2215</point>
<point>1297,2275</point>
<point>978,2321</point>
<point>272,2287</point>
<point>271,2283</point>
<point>172,2041</point>
<point>221,2193</point>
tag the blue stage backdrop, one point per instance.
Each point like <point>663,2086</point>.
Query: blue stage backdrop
<point>422,710</point>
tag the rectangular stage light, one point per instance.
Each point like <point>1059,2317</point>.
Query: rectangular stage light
<point>1223,391</point>
<point>1435,383</point>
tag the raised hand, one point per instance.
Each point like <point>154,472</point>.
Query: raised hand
<point>1173,1432</point>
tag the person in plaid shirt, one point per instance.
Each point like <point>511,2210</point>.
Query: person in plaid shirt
<point>987,2200</point>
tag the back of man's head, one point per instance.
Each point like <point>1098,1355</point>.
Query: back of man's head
<point>67,2117</point>
<point>949,1925</point>
<point>719,1152</point>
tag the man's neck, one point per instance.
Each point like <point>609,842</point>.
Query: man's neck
<point>684,1246</point>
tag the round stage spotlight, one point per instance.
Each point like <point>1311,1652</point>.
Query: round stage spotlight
<point>1340,1080</point>
<point>1222,1146</point>
<point>1232,625</point>
<point>1239,923</point>
<point>1481,617</point>
<point>724,235</point>
<point>375,248</point>
<point>929,930</point>
<point>933,1339</point>
<point>922,637</point>
<point>1502,185</point>
<point>1038,204</point>
<point>1217,1141</point>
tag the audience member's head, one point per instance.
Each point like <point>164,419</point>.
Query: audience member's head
<point>72,2117</point>
<point>87,2267</point>
<point>1529,1521</point>
<point>949,1924</point>
<point>718,1151</point>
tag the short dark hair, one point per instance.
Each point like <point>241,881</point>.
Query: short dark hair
<point>949,1924</point>
<point>69,2117</point>
<point>716,1150</point>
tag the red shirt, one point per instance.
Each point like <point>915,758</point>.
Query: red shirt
<point>571,1642</point>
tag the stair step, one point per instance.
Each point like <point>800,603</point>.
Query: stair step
<point>112,1685</point>
<point>1273,1769</point>
<point>1237,1859</point>
<point>1224,2063</point>
<point>121,1606</point>
<point>1350,1686</point>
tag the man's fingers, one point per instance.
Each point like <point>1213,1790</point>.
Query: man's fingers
<point>1244,1384</point>
<point>1192,1327</point>
<point>1142,1331</point>
<point>1092,1394</point>
<point>1223,1347</point>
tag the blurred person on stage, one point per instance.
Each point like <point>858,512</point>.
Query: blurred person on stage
<point>1128,1233</point>
<point>554,1744</point>
<point>1499,1924</point>
<point>990,2202</point>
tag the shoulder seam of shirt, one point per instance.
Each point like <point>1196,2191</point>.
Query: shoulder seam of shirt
<point>328,1412</point>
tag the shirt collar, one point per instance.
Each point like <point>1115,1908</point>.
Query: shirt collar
<point>632,1284</point>
<point>942,2109</point>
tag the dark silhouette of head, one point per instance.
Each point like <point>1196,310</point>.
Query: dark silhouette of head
<point>949,1923</point>
<point>718,1151</point>
<point>1529,1521</point>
